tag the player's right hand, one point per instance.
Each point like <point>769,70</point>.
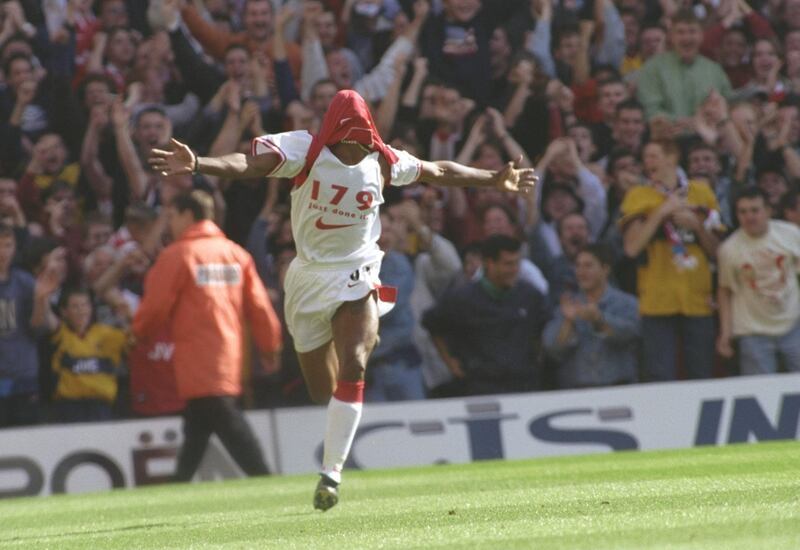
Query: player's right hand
<point>179,161</point>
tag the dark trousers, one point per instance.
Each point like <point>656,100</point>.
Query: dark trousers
<point>218,415</point>
<point>21,409</point>
<point>660,337</point>
<point>81,410</point>
<point>483,384</point>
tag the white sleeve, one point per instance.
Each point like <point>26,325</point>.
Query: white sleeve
<point>406,170</point>
<point>373,86</point>
<point>593,193</point>
<point>791,233</point>
<point>292,148</point>
<point>532,274</point>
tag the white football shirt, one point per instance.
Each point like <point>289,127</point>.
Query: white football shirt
<point>335,218</point>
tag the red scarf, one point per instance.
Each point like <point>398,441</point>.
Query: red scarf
<point>347,118</point>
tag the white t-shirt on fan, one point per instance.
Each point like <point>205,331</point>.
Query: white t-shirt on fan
<point>762,275</point>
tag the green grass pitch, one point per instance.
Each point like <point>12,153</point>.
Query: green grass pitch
<point>736,497</point>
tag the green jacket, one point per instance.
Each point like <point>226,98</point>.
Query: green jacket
<point>668,86</point>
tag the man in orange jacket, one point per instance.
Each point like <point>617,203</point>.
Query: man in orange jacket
<point>204,286</point>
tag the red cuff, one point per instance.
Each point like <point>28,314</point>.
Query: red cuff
<point>350,392</point>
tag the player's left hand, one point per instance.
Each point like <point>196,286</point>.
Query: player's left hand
<point>514,179</point>
<point>173,163</point>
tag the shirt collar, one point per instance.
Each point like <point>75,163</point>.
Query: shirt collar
<point>492,290</point>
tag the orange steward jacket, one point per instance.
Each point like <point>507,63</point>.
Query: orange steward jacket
<point>204,287</point>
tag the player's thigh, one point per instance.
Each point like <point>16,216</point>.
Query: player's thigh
<point>355,331</point>
<point>320,371</point>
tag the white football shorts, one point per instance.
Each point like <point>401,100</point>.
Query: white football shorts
<point>314,293</point>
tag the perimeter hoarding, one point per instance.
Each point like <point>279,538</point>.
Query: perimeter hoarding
<point>91,457</point>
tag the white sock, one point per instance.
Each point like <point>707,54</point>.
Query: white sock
<point>342,423</point>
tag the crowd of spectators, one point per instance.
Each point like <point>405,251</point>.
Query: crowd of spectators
<point>657,127</point>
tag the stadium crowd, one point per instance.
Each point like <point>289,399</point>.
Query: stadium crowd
<point>660,244</point>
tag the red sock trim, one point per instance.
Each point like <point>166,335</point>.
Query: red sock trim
<point>350,392</point>
<point>387,294</point>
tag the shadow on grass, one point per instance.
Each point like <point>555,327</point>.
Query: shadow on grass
<point>145,527</point>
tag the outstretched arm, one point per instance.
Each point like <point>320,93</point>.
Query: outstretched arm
<point>182,160</point>
<point>448,173</point>
<point>47,283</point>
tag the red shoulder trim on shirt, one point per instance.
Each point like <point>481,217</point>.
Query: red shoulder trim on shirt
<point>267,143</point>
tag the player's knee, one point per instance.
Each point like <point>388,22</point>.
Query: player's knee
<point>353,369</point>
<point>320,396</point>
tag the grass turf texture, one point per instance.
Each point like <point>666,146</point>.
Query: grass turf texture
<point>741,496</point>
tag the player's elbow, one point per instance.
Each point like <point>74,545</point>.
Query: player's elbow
<point>433,172</point>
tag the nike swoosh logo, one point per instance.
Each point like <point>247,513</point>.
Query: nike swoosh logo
<point>351,285</point>
<point>322,225</point>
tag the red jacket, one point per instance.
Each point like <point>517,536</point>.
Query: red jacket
<point>204,287</point>
<point>152,377</point>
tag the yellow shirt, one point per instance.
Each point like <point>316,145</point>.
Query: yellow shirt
<point>663,288</point>
<point>87,366</point>
<point>630,64</point>
<point>70,174</point>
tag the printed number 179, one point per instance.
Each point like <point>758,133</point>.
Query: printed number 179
<point>363,198</point>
